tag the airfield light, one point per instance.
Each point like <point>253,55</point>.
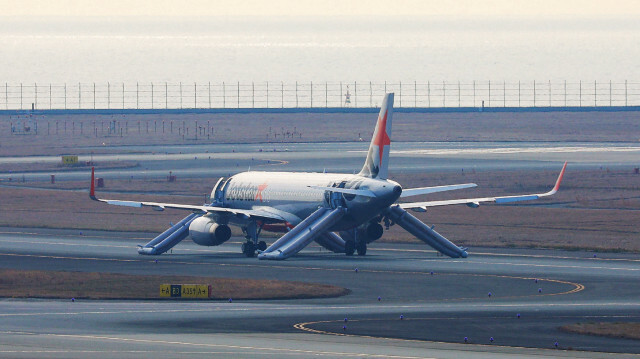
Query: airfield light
<point>346,319</point>
<point>518,315</point>
<point>556,345</point>
<point>431,272</point>
<point>539,290</point>
<point>344,328</point>
<point>379,299</point>
<point>401,317</point>
<point>73,300</point>
<point>491,339</point>
<point>489,294</point>
<point>356,270</point>
<point>466,340</point>
<point>230,300</point>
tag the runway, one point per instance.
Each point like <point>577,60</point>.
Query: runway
<point>405,302</point>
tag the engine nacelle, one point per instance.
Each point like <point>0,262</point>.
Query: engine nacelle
<point>206,232</point>
<point>374,231</point>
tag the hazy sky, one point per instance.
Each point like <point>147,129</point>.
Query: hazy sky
<point>581,8</point>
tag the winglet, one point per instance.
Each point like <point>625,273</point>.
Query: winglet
<point>92,191</point>
<point>557,186</point>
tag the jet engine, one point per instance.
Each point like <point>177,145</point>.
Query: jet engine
<point>206,232</point>
<point>373,231</point>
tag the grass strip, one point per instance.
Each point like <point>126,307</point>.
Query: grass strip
<point>629,330</point>
<point>90,285</point>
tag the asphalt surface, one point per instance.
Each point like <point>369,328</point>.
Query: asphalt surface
<point>405,302</point>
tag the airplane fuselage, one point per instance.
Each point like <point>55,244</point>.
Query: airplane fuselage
<point>291,195</point>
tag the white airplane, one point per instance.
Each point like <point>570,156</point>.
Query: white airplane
<point>341,212</point>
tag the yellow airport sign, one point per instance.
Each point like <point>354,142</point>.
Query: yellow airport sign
<point>185,291</point>
<point>69,160</point>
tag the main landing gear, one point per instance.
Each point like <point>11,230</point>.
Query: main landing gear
<point>251,232</point>
<point>249,248</point>
<point>351,247</point>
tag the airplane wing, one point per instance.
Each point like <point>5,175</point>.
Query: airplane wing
<point>409,192</point>
<point>158,206</point>
<point>475,202</point>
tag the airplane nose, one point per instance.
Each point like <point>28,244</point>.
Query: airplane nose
<point>397,190</point>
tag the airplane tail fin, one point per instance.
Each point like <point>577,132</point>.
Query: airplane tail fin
<point>377,163</point>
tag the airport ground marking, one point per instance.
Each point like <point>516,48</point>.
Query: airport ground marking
<point>283,351</point>
<point>305,327</point>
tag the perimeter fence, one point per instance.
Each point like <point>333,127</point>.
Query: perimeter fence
<point>21,96</point>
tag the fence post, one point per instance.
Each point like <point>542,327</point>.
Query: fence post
<point>79,95</point>
<point>267,106</point>
<point>108,95</point>
<point>504,93</point>
<point>534,93</point>
<point>138,95</point>
<point>342,103</point>
<point>355,94</point>
<point>35,100</point>
<point>152,95</point>
<point>415,93</point>
<point>195,100</point>
<point>209,95</point>
<point>610,102</point>
<point>296,94</point>
<point>595,93</point>
<point>474,93</point>
<point>224,95</point>
<point>326,94</point>
<point>459,99</point>
<point>181,94</point>
<point>238,94</point>
<point>282,94</point>
<point>50,98</point>
<point>122,97</point>
<point>489,102</point>
<point>549,93</point>
<point>253,95</point>
<point>21,95</point>
<point>370,95</point>
<point>519,93</point>
<point>166,95</point>
<point>311,90</point>
<point>565,93</point>
<point>625,93</point>
<point>580,93</point>
<point>400,94</point>
<point>94,96</point>
<point>428,93</point>
<point>444,94</point>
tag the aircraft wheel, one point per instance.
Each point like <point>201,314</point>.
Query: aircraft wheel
<point>349,248</point>
<point>262,245</point>
<point>362,248</point>
<point>248,249</point>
